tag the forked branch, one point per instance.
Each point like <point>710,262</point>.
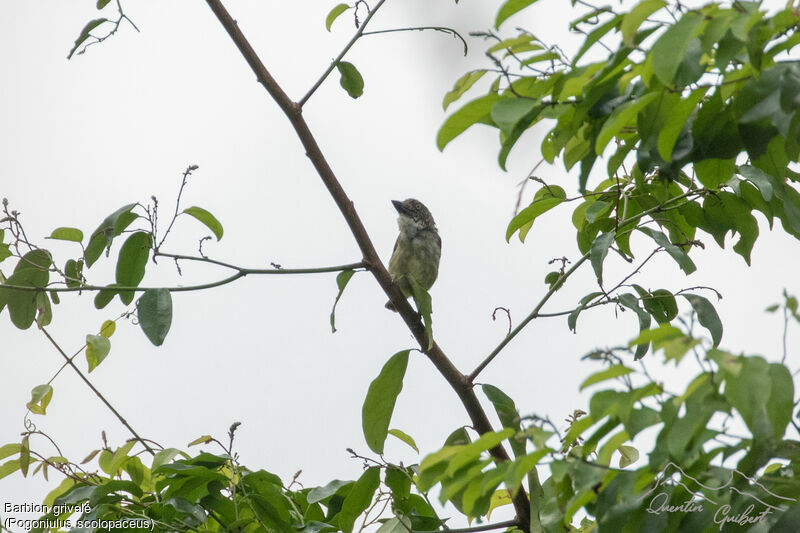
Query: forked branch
<point>371,260</point>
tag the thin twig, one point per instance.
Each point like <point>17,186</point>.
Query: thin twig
<point>485,527</point>
<point>535,313</point>
<point>443,29</point>
<point>240,273</point>
<point>97,392</point>
<point>186,174</point>
<point>344,51</point>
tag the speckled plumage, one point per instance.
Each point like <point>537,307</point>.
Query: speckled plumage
<point>417,249</point>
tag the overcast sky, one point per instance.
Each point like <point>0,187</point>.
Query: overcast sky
<point>81,138</point>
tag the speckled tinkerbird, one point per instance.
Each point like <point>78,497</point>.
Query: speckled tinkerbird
<point>417,249</point>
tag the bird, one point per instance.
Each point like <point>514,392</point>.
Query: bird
<point>417,249</point>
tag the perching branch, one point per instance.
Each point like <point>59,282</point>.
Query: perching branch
<point>293,111</point>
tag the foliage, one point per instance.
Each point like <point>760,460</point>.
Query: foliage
<point>699,108</point>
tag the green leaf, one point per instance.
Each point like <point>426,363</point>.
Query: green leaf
<point>405,438</point>
<point>164,456</point>
<point>23,305</point>
<point>72,270</point>
<point>110,227</point>
<point>611,445</point>
<point>707,316</point>
<point>714,172</point>
<point>396,525</point>
<point>359,498</point>
<point>507,413</point>
<point>5,249</point>
<point>622,116</point>
<point>663,332</point>
<point>521,467</point>
<point>102,3</point>
<point>513,116</point>
<point>154,310</point>
<point>598,253</point>
<point>629,455</point>
<point>97,348</point>
<point>595,36</point>
<point>381,398</point>
<point>630,301</point>
<point>351,80</point>
<point>669,50</point>
<point>759,178</point>
<point>509,8</point>
<point>676,121</point>
<point>40,399</point>
<point>206,218</point>
<point>468,453</point>
<point>24,456</point>
<point>780,403</point>
<point>334,14</point>
<point>9,467</point>
<point>67,234</point>
<point>572,319</point>
<point>461,86</point>
<point>632,20</point>
<point>92,24</point>
<point>680,257</point>
<point>341,281</point>
<point>471,113</point>
<point>660,304</point>
<point>597,209</point>
<point>317,494</point>
<point>8,450</point>
<point>104,296</point>
<point>120,456</point>
<point>132,260</point>
<point>544,200</point>
<point>515,43</point>
<point>506,113</point>
<point>611,372</point>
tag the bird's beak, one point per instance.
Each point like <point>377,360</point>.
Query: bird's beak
<point>400,207</point>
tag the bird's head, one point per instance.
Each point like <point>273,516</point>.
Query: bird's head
<point>414,216</point>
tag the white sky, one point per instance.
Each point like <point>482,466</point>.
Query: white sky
<point>81,138</point>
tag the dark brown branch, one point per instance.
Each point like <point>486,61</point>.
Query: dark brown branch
<point>293,111</point>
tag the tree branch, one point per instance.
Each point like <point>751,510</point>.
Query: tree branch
<point>484,527</point>
<point>97,392</point>
<point>442,29</point>
<point>344,51</point>
<point>372,261</point>
<point>535,313</point>
<point>240,273</point>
